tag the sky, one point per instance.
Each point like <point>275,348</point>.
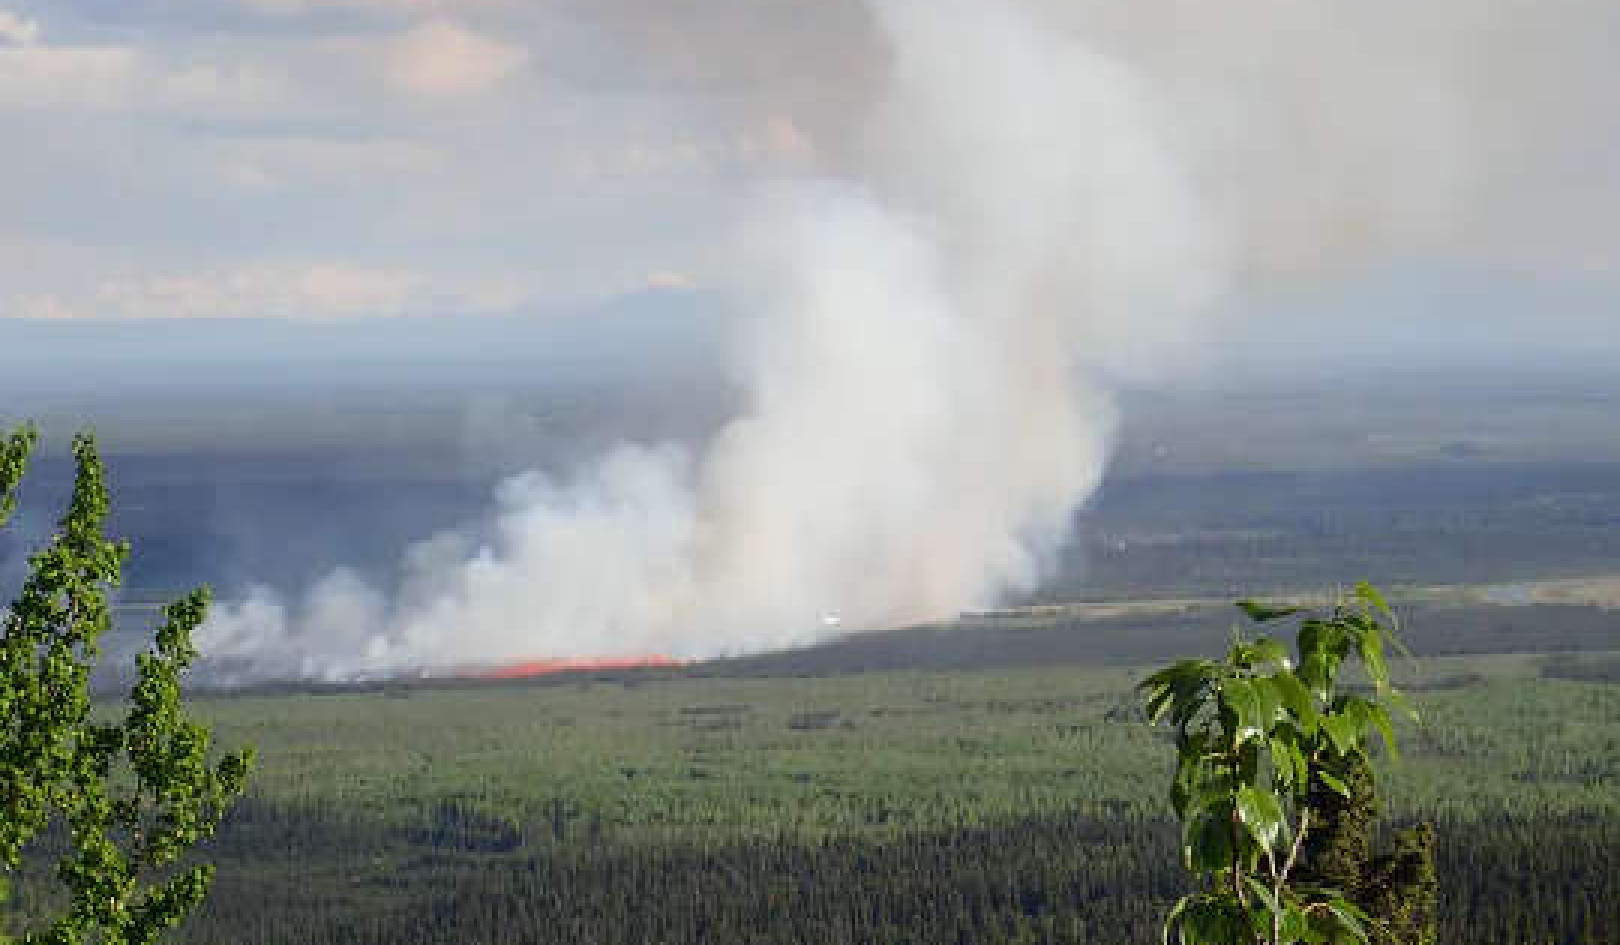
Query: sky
<point>326,160</point>
<point>334,160</point>
<point>924,223</point>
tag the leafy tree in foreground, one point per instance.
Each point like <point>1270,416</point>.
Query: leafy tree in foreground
<point>129,795</point>
<point>1275,791</point>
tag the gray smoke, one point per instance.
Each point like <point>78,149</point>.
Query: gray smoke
<point>926,352</point>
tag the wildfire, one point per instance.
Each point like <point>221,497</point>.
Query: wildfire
<point>548,667</point>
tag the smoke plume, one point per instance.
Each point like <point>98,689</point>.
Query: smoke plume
<point>924,358</point>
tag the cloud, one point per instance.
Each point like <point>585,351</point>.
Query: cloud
<point>231,87</point>
<point>246,174</point>
<point>44,308</point>
<point>778,138</point>
<point>47,77</point>
<point>16,31</point>
<point>38,76</point>
<point>322,290</point>
<point>672,279</point>
<point>301,159</point>
<point>443,58</point>
<point>1329,136</point>
<point>299,7</point>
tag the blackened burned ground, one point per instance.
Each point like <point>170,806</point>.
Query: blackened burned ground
<point>1196,630</point>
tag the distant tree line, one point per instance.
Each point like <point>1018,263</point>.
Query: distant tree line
<point>331,875</point>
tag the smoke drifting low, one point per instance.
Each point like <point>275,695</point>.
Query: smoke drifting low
<point>925,358</point>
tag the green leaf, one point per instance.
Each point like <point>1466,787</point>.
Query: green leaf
<point>1316,636</point>
<point>1170,921</point>
<point>1369,595</point>
<point>1370,647</point>
<point>1270,651</point>
<point>1207,841</point>
<point>1202,919</point>
<point>1185,789</point>
<point>1182,688</point>
<point>1239,697</point>
<point>1179,674</point>
<point>1158,702</point>
<point>1398,700</point>
<point>1289,762</point>
<point>1216,921</point>
<point>1260,613</point>
<point>1296,699</point>
<point>1343,732</point>
<point>1259,653</point>
<point>1268,908</point>
<point>1363,715</point>
<point>1295,926</point>
<point>1350,918</point>
<point>13,463</point>
<point>1261,812</point>
<point>1380,721</point>
<point>1333,782</point>
<point>1214,797</point>
<point>1269,700</point>
<point>1322,644</point>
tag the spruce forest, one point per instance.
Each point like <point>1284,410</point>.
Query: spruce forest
<point>920,807</point>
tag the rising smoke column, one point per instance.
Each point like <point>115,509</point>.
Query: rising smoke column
<point>922,362</point>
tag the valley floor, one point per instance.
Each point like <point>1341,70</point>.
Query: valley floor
<point>1020,804</point>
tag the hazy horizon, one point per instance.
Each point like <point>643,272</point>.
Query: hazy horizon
<point>726,290</point>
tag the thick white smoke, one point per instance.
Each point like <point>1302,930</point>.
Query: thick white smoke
<point>924,366</point>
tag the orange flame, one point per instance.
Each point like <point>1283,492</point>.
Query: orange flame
<point>528,668</point>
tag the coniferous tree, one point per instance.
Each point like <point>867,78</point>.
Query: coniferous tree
<point>1397,889</point>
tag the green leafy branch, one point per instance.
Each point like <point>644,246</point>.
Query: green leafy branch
<point>1258,735</point>
<point>134,795</point>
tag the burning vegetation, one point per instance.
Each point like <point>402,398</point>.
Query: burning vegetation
<point>525,669</point>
